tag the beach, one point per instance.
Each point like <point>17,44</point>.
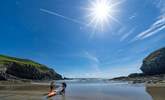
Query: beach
<point>78,90</point>
<point>22,91</point>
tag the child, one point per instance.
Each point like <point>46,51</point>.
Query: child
<point>52,91</point>
<point>62,92</point>
<point>59,91</point>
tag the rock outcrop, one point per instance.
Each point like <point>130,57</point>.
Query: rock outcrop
<point>154,64</point>
<point>16,68</point>
<point>153,69</point>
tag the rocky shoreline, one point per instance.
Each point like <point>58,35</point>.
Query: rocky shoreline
<point>153,70</point>
<point>154,79</point>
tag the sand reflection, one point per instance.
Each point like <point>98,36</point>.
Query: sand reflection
<point>157,93</point>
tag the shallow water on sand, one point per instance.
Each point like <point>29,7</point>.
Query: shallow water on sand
<point>87,90</point>
<point>104,91</point>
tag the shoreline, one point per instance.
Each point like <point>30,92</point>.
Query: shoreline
<point>19,85</point>
<point>38,91</point>
<point>151,81</point>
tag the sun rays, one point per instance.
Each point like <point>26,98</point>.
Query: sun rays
<point>101,12</point>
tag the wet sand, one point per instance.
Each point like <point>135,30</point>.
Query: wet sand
<point>83,91</point>
<point>157,92</point>
<point>23,91</point>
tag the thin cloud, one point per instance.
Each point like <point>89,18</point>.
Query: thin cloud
<point>91,57</point>
<point>127,34</point>
<point>62,16</point>
<point>157,26</point>
<point>94,65</point>
<point>121,30</point>
<point>154,32</point>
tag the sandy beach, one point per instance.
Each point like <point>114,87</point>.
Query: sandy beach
<point>83,91</point>
<point>26,91</point>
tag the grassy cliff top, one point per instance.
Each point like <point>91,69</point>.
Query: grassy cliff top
<point>7,59</point>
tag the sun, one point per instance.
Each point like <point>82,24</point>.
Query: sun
<point>101,12</point>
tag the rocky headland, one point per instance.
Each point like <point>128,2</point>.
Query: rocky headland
<point>153,70</point>
<point>12,68</point>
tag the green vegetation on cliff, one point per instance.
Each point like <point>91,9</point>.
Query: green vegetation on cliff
<point>6,60</point>
<point>25,69</point>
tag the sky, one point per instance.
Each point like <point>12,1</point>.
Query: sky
<point>62,35</point>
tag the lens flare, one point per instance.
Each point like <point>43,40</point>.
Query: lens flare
<point>101,12</point>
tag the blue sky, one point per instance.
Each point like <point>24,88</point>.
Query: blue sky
<point>54,33</point>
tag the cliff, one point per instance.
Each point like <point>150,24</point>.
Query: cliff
<point>154,63</point>
<point>153,69</point>
<point>16,68</point>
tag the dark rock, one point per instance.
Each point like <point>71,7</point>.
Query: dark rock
<point>2,76</point>
<point>136,75</point>
<point>31,72</point>
<point>5,76</point>
<point>154,64</point>
<point>137,81</point>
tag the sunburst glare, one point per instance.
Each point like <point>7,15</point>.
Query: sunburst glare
<point>101,12</point>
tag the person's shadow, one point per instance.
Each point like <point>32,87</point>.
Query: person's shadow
<point>62,97</point>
